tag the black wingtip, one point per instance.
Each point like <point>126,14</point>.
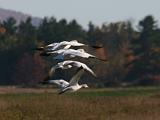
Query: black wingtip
<point>61,92</point>
<point>44,54</point>
<point>46,78</point>
<point>96,46</point>
<point>43,82</point>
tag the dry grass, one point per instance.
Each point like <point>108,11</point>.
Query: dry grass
<point>79,106</point>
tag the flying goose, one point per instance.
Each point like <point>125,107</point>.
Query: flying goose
<point>72,85</point>
<point>64,45</point>
<point>69,64</point>
<point>71,53</point>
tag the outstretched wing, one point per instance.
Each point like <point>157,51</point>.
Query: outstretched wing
<point>61,83</point>
<point>67,47</point>
<point>74,80</point>
<point>84,66</point>
<point>88,69</point>
<point>63,65</point>
<point>63,44</point>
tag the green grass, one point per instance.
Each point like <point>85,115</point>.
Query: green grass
<point>86,104</point>
<point>119,92</point>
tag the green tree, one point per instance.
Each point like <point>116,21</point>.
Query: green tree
<point>91,32</point>
<point>46,30</point>
<point>27,34</point>
<point>10,25</point>
<point>75,31</point>
<point>146,59</point>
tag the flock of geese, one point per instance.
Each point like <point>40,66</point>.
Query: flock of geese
<point>60,51</point>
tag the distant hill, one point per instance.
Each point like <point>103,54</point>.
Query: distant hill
<point>5,13</point>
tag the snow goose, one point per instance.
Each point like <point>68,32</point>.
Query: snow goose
<point>72,85</point>
<point>62,53</point>
<point>64,45</point>
<point>69,64</point>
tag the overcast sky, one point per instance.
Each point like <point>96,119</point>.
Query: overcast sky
<point>97,11</point>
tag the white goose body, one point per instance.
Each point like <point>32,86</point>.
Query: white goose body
<point>63,44</point>
<point>71,53</point>
<point>69,64</point>
<point>72,85</point>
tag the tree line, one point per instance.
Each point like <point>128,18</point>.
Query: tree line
<point>133,54</point>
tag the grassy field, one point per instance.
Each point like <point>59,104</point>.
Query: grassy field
<point>90,104</point>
